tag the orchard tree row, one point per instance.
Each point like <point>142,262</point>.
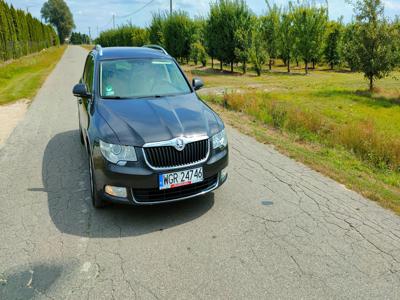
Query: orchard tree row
<point>299,33</point>
<point>21,34</point>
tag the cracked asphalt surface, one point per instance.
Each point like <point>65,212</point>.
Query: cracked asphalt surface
<point>276,229</point>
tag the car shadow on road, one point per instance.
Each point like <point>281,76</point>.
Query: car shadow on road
<point>66,181</point>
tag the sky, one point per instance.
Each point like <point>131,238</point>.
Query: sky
<point>97,14</point>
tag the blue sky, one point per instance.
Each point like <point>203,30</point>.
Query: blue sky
<point>97,14</point>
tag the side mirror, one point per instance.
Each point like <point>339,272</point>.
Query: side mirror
<point>80,90</point>
<point>197,83</point>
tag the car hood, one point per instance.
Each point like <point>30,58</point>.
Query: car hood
<point>139,121</point>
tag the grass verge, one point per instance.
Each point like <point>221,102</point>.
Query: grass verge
<point>21,78</point>
<point>381,185</point>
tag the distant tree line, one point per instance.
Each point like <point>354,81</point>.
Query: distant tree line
<point>21,34</point>
<point>78,38</point>
<point>298,33</point>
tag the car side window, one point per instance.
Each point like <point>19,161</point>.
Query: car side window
<point>88,74</point>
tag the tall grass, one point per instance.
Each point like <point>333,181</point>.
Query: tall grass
<point>361,137</point>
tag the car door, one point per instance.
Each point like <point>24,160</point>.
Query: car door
<point>86,102</point>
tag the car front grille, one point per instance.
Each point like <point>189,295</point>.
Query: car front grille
<point>169,157</point>
<point>157,195</point>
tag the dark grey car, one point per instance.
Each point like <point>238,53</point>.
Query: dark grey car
<point>150,139</point>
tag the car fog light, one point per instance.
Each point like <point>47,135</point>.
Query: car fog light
<point>116,191</point>
<point>223,174</point>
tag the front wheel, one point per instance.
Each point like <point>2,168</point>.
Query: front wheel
<point>96,200</point>
<point>81,136</point>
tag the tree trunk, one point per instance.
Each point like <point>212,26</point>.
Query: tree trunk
<point>313,64</point>
<point>371,84</point>
<point>297,62</point>
<point>212,62</point>
<point>231,66</point>
<point>220,65</point>
<point>270,64</point>
<point>331,66</point>
<point>288,65</point>
<point>306,66</point>
<point>244,67</point>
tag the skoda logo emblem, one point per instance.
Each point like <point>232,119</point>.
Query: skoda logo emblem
<point>179,144</point>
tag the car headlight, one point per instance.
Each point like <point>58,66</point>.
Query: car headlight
<point>118,154</point>
<point>219,140</point>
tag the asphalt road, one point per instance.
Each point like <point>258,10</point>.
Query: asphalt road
<point>276,229</point>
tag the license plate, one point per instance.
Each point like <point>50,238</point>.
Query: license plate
<point>180,178</point>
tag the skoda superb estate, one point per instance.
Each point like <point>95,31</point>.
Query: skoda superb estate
<point>149,137</point>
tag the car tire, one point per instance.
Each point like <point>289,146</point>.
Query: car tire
<point>81,136</point>
<point>96,200</point>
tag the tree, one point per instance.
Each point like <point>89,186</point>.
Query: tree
<point>348,49</point>
<point>270,31</point>
<point>57,13</point>
<point>212,28</point>
<point>258,52</point>
<point>286,36</point>
<point>139,36</point>
<point>374,37</point>
<point>396,32</point>
<point>199,30</point>
<point>309,27</point>
<point>333,41</point>
<point>197,48</point>
<point>156,29</point>
<point>198,53</point>
<point>177,31</point>
<point>5,34</point>
<point>21,34</point>
<point>230,22</point>
<point>243,39</point>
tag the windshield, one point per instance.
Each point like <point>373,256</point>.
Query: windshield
<point>137,78</point>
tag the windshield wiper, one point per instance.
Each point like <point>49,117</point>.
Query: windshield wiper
<point>150,96</point>
<point>142,97</point>
<point>114,97</point>
<point>161,96</point>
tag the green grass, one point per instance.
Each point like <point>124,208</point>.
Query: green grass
<point>21,78</point>
<point>326,120</point>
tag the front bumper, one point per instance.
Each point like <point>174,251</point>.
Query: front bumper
<point>142,184</point>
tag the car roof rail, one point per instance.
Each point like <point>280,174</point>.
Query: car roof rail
<point>156,47</point>
<point>99,49</point>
